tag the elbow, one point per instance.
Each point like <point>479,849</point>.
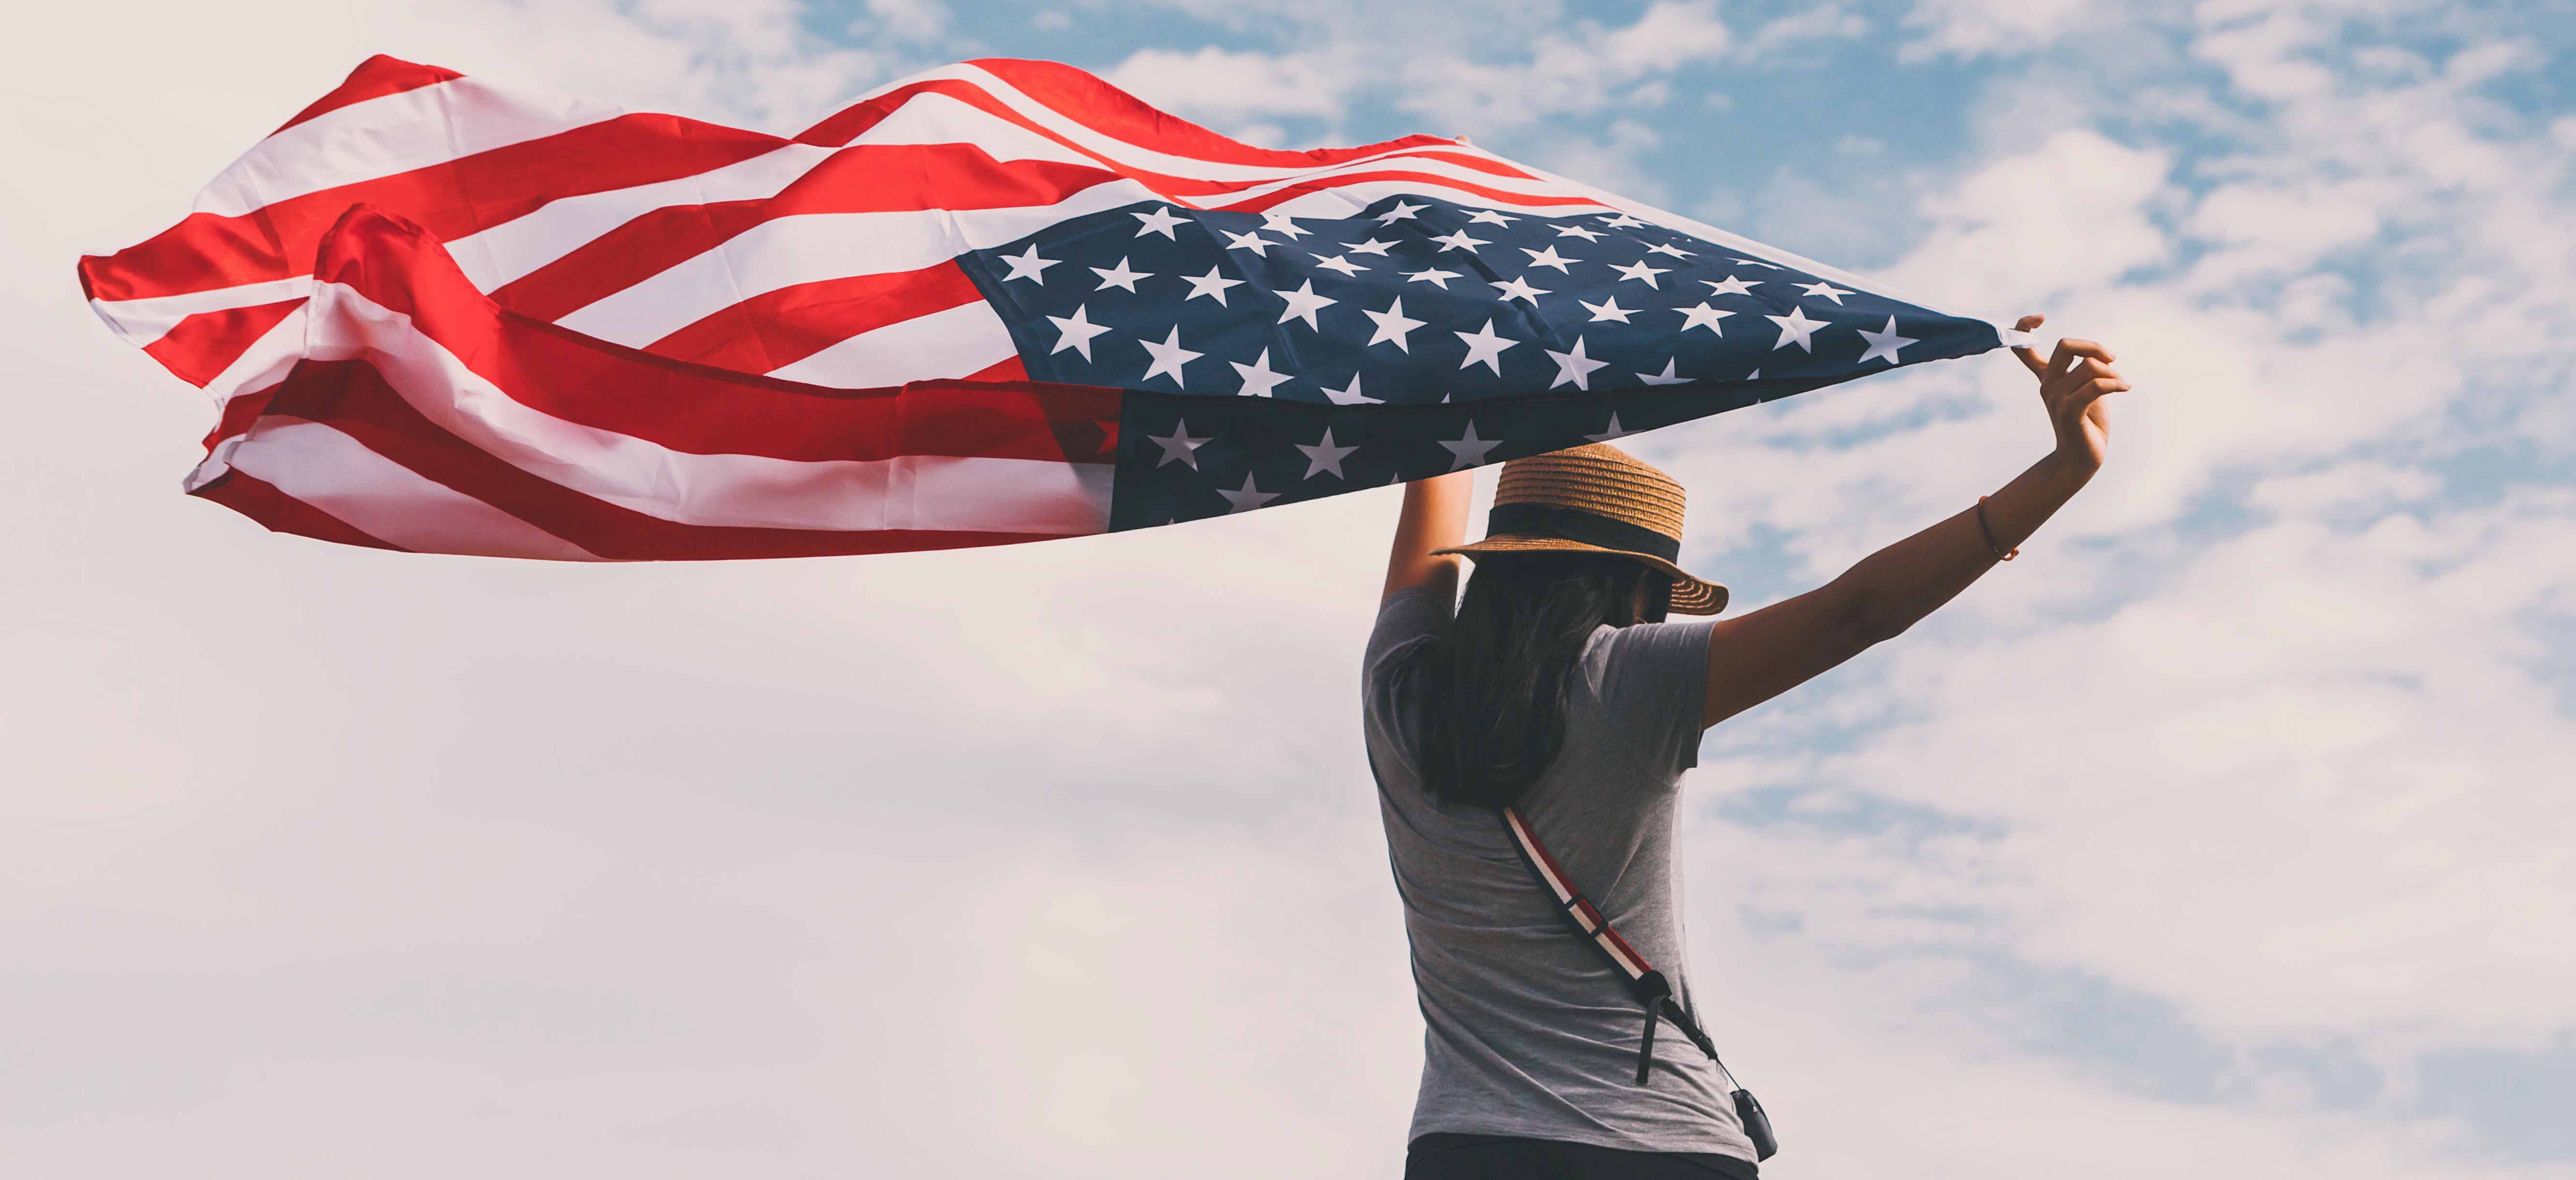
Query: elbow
<point>1865,624</point>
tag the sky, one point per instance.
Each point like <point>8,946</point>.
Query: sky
<point>2225,833</point>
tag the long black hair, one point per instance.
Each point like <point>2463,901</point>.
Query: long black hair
<point>1496,688</point>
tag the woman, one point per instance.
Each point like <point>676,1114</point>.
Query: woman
<point>1556,690</point>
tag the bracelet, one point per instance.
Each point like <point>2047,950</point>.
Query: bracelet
<point>1989,531</point>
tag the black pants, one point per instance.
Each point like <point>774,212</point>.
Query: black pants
<point>1442,1155</point>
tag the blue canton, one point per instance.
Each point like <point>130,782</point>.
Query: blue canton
<point>1270,358</point>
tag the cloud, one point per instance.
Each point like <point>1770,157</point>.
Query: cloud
<point>2218,832</point>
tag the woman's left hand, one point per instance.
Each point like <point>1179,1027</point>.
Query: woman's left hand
<point>2072,383</point>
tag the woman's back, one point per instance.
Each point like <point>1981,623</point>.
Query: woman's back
<point>1528,1033</point>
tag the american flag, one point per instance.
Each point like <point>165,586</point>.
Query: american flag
<point>999,301</point>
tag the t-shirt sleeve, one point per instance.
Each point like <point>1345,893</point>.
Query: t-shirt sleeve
<point>1410,618</point>
<point>1653,683</point>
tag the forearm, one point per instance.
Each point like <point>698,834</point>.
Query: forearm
<point>1434,517</point>
<point>1892,589</point>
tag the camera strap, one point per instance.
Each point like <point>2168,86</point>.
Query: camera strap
<point>1648,985</point>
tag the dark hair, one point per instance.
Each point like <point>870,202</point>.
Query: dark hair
<point>1495,689</point>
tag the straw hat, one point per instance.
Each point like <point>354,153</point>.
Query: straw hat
<point>1595,499</point>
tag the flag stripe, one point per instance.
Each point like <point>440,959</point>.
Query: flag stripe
<point>339,477</point>
<point>208,250</point>
<point>920,181</point>
<point>793,250</point>
<point>363,410</point>
<point>374,78</point>
<point>255,498</point>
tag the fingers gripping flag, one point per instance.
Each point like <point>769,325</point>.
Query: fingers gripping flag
<point>996,302</point>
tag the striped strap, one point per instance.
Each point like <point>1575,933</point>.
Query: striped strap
<point>1652,990</point>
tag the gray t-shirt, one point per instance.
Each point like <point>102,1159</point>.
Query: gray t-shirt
<point>1526,1029</point>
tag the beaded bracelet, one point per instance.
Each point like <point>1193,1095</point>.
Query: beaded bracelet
<point>1989,531</point>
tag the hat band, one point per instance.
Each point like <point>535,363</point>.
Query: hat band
<point>1575,524</point>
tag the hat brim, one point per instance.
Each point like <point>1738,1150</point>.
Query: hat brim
<point>1691,595</point>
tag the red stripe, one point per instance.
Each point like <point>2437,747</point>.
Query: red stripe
<point>282,513</point>
<point>773,330</point>
<point>375,77</point>
<point>1341,180</point>
<point>354,398</point>
<point>864,179</point>
<point>1113,112</point>
<point>684,406</point>
<point>1009,368</point>
<point>240,411</point>
<point>206,252</point>
<point>199,347</point>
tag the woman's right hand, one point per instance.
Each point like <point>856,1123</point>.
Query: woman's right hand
<point>2072,383</point>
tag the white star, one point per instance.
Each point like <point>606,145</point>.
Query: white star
<point>1732,286</point>
<point>1119,276</point>
<point>1622,221</point>
<point>1179,445</point>
<point>1573,366</point>
<point>1077,332</point>
<point>1169,356</point>
<point>1608,310</point>
<point>1281,223</point>
<point>1340,263</point>
<point>1763,265</point>
<point>1392,325</point>
<point>1303,303</point>
<point>1668,248</point>
<point>1434,276</point>
<point>1641,271</point>
<point>1549,257</point>
<point>1324,456</point>
<point>1755,375</point>
<point>1460,241</point>
<point>1351,396</point>
<point>1613,432</point>
<point>1247,497</point>
<point>1212,284</point>
<point>1823,291</point>
<point>1490,217</point>
<point>1520,289</point>
<point>1252,241</point>
<point>1795,327</point>
<point>1258,377</point>
<point>1485,348</point>
<point>1702,316</point>
<point>1883,344</point>
<point>1585,232</point>
<point>1160,221</point>
<point>1371,246</point>
<point>1663,378</point>
<point>1028,266</point>
<point>1401,212</point>
<point>1469,451</point>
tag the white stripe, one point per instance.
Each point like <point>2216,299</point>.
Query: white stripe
<point>143,321</point>
<point>338,475</point>
<point>382,137</point>
<point>505,252</point>
<point>910,492</point>
<point>1133,155</point>
<point>965,339</point>
<point>514,248</point>
<point>814,247</point>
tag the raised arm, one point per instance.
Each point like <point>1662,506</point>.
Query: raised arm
<point>1770,651</point>
<point>1434,517</point>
